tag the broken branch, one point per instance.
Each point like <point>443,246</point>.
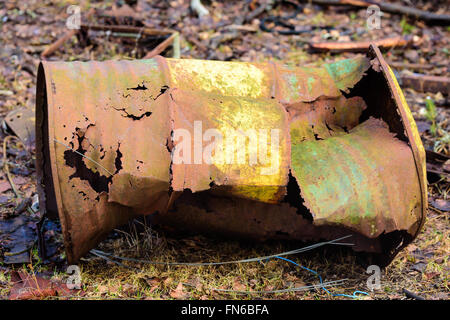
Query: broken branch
<point>173,39</point>
<point>128,29</point>
<point>412,66</point>
<point>430,17</point>
<point>359,46</point>
<point>58,43</point>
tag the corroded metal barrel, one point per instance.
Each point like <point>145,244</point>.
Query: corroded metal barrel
<point>348,157</point>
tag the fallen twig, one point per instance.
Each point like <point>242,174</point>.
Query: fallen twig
<point>360,46</point>
<point>60,42</point>
<point>426,83</point>
<point>240,28</point>
<point>436,165</point>
<point>127,29</point>
<point>412,66</point>
<point>174,39</point>
<point>119,30</point>
<point>443,19</point>
<point>217,40</point>
<point>412,295</point>
<point>198,7</point>
<point>197,43</point>
<point>258,11</point>
<point>430,17</point>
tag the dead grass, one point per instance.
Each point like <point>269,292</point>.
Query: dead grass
<point>422,268</point>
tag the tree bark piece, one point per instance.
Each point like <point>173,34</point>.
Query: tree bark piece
<point>426,83</point>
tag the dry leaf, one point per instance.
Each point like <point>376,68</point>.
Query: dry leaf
<point>32,286</point>
<point>102,289</point>
<point>237,284</point>
<point>178,292</point>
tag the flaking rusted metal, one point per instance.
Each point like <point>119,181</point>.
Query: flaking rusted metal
<point>348,157</point>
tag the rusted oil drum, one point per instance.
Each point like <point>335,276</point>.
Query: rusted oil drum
<point>327,151</point>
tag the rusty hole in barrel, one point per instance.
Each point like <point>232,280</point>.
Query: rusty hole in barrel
<point>97,181</point>
<point>316,136</point>
<point>118,160</point>
<point>295,200</point>
<point>74,160</point>
<point>375,92</point>
<point>139,87</point>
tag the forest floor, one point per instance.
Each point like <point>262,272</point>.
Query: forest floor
<point>28,27</point>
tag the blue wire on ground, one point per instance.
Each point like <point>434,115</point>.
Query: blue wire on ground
<point>353,296</point>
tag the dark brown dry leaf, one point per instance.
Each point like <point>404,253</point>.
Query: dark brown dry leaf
<point>168,281</point>
<point>32,286</point>
<point>102,289</point>
<point>299,283</point>
<point>152,281</point>
<point>178,292</point>
<point>431,275</point>
<point>128,289</point>
<point>253,283</point>
<point>238,285</point>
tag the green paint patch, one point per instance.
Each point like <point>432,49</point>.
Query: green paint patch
<point>346,73</point>
<point>293,81</point>
<point>310,83</point>
<point>344,179</point>
<point>151,63</point>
